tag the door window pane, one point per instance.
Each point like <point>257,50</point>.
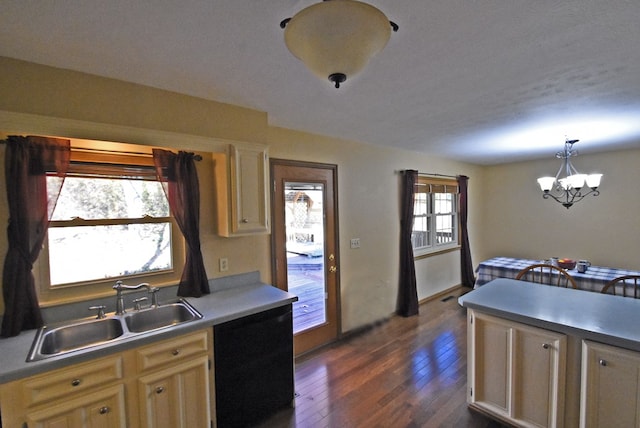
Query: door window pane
<point>304,218</point>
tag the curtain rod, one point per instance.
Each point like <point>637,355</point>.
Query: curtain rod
<point>433,174</point>
<point>119,152</point>
<point>429,174</point>
<point>123,152</point>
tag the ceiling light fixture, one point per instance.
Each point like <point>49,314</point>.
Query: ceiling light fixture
<point>335,39</point>
<point>573,187</point>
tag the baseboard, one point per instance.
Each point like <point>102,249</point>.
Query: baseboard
<point>446,292</point>
<point>452,291</point>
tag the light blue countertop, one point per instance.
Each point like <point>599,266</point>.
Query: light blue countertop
<point>243,295</point>
<point>605,318</point>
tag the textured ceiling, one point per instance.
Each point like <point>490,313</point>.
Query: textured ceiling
<point>482,81</point>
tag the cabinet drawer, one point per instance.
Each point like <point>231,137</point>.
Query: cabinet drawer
<point>102,408</point>
<point>81,377</point>
<point>172,350</point>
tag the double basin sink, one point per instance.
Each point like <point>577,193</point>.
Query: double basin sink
<point>60,339</point>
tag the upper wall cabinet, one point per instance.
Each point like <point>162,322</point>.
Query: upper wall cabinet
<point>241,180</point>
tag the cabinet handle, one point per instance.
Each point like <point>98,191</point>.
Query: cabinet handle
<point>175,352</point>
<point>245,220</point>
<point>103,410</point>
<point>603,362</point>
<point>76,382</point>
<point>160,390</point>
<point>545,345</point>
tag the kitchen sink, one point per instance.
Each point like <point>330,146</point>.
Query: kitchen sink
<point>160,317</point>
<point>59,339</point>
<point>55,340</point>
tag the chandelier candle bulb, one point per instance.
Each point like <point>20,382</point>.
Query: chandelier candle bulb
<point>546,183</point>
<point>593,180</point>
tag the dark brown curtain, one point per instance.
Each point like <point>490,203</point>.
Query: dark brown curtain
<point>179,177</point>
<point>407,289</point>
<point>31,204</point>
<point>466,265</point>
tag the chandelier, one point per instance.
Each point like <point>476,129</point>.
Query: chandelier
<point>335,39</point>
<point>573,186</point>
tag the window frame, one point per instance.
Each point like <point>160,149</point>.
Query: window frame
<point>87,162</point>
<point>430,186</point>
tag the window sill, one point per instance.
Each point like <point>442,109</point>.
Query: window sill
<point>436,252</point>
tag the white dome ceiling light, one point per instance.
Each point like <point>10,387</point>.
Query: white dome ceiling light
<point>335,39</point>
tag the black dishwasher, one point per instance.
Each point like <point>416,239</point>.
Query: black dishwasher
<point>253,367</point>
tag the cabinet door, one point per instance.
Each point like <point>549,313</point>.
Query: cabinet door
<point>249,206</point>
<point>241,186</point>
<point>101,409</point>
<point>539,377</point>
<point>177,396</point>
<point>610,394</point>
<point>516,372</point>
<point>490,363</point>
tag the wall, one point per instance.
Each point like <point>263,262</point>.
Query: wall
<point>507,213</point>
<point>369,209</point>
<point>516,221</point>
<point>36,99</point>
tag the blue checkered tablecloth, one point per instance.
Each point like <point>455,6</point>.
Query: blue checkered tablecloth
<point>507,267</point>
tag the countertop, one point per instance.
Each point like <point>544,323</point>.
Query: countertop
<point>224,304</point>
<point>600,317</point>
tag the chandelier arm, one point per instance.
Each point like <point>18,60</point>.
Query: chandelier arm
<point>567,197</point>
<point>566,204</point>
<point>570,168</point>
<point>562,167</point>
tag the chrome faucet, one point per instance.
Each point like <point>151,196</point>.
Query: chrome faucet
<point>120,287</point>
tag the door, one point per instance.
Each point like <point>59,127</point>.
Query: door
<point>304,247</point>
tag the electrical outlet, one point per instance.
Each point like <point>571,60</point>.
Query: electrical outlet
<point>224,264</point>
<point>355,242</point>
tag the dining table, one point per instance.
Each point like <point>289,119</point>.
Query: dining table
<point>594,279</point>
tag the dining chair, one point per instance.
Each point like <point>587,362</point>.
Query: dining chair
<point>547,274</point>
<point>627,286</point>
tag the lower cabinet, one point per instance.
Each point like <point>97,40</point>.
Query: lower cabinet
<point>516,372</point>
<point>177,396</point>
<point>164,384</point>
<point>610,386</point>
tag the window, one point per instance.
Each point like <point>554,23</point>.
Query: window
<point>111,222</point>
<point>435,221</point>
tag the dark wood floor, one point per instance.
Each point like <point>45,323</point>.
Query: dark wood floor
<point>405,372</point>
